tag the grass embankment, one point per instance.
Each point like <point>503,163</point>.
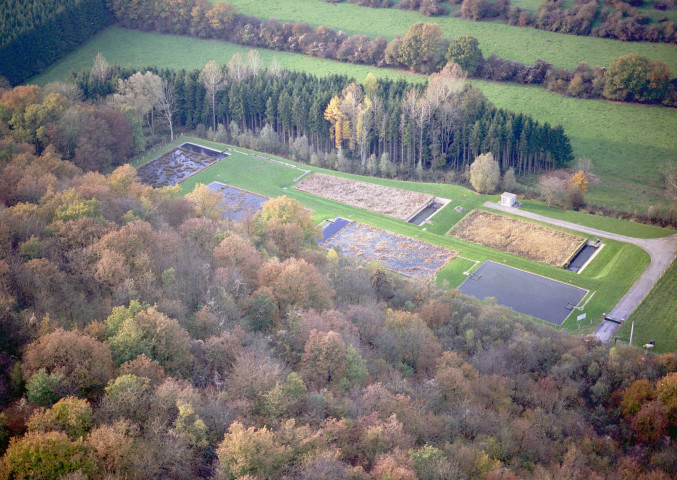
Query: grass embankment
<point>656,316</point>
<point>621,227</point>
<point>522,44</point>
<point>272,180</point>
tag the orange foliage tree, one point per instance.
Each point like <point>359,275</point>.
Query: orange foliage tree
<point>580,180</point>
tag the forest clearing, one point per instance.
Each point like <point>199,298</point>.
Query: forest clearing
<point>247,172</point>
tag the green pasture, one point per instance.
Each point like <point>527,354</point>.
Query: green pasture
<point>522,44</point>
<point>133,48</point>
<point>610,275</point>
<point>529,5</point>
<point>656,316</point>
<point>658,15</point>
<point>626,142</point>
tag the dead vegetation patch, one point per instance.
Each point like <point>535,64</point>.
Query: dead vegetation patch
<point>408,256</point>
<point>560,178</point>
<point>518,237</point>
<point>393,202</point>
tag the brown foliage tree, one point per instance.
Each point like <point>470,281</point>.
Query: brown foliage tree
<point>236,251</point>
<point>111,446</point>
<point>142,366</point>
<point>650,424</point>
<point>635,396</point>
<point>324,358</point>
<point>85,363</point>
<point>295,283</point>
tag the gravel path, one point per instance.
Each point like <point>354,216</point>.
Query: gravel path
<point>662,251</point>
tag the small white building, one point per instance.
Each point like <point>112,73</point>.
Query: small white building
<point>508,199</point>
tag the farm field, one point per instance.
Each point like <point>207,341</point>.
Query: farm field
<point>522,44</point>
<point>656,316</point>
<point>627,143</point>
<point>133,48</point>
<point>401,204</point>
<point>525,239</point>
<point>621,262</point>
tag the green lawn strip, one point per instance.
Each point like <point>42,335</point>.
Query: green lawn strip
<point>522,44</point>
<point>656,316</point>
<point>133,48</point>
<point>626,142</point>
<point>608,224</point>
<point>272,179</point>
<point>453,274</point>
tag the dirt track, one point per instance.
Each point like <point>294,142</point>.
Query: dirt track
<point>662,251</point>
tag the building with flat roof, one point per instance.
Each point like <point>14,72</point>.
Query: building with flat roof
<point>508,199</point>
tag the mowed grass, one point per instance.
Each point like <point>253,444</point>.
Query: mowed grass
<point>522,44</point>
<point>656,316</point>
<point>608,224</point>
<point>133,48</point>
<point>272,180</point>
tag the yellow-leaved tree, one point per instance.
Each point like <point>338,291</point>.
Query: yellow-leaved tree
<point>206,201</point>
<point>340,126</point>
<point>284,226</point>
<point>580,180</point>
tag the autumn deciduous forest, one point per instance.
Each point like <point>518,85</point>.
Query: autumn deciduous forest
<point>143,336</point>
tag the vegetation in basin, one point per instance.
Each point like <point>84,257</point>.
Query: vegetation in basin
<point>518,237</point>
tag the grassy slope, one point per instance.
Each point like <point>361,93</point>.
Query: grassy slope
<point>530,5</point>
<point>622,227</point>
<point>627,261</point>
<point>656,316</point>
<point>626,142</point>
<point>523,44</point>
<point>133,48</point>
